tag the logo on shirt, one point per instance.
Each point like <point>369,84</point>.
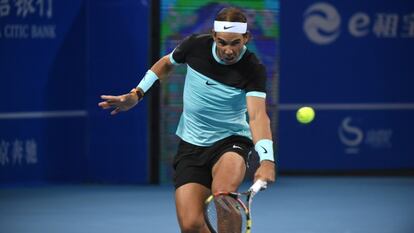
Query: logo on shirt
<point>210,84</point>
<point>225,28</point>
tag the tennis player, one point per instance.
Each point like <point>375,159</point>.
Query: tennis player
<point>224,80</point>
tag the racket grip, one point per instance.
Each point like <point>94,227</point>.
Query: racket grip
<point>258,185</point>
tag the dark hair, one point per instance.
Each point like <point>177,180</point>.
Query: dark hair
<point>231,14</point>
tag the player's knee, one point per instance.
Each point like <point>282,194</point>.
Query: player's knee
<point>192,226</point>
<point>224,187</point>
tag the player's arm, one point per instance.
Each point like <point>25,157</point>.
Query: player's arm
<point>158,71</point>
<point>262,137</point>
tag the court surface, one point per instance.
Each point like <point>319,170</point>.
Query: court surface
<point>292,205</point>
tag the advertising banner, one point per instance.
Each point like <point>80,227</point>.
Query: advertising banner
<point>352,62</point>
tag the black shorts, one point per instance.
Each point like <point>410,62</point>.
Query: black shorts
<point>193,164</point>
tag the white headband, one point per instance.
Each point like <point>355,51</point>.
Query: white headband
<point>225,26</point>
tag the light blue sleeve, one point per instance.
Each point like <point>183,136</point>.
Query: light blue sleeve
<point>256,94</point>
<point>172,59</point>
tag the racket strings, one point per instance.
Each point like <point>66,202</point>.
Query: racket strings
<point>226,214</point>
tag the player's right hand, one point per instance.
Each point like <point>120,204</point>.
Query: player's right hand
<point>266,172</point>
<point>119,103</point>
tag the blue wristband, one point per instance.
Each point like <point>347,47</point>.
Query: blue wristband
<point>148,80</point>
<point>264,148</point>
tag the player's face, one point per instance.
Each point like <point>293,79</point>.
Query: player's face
<point>229,45</point>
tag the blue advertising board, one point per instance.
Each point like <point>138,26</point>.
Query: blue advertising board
<point>118,46</point>
<point>352,62</point>
<point>43,115</point>
<point>56,59</point>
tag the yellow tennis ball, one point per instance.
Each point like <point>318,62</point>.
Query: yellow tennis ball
<point>305,115</point>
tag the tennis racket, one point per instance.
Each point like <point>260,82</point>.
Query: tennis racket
<point>225,212</point>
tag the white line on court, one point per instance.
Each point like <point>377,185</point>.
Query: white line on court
<point>350,106</point>
<point>46,114</point>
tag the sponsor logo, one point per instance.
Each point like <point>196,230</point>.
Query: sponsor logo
<point>210,84</point>
<point>351,136</point>
<point>265,151</point>
<point>322,22</point>
<point>354,137</point>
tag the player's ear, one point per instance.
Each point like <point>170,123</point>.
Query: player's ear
<point>214,34</point>
<point>247,36</point>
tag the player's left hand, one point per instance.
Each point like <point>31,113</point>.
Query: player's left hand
<point>266,171</point>
<point>119,103</point>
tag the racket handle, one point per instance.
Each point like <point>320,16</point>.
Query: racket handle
<point>258,185</point>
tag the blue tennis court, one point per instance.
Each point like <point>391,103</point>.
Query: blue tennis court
<point>293,205</point>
